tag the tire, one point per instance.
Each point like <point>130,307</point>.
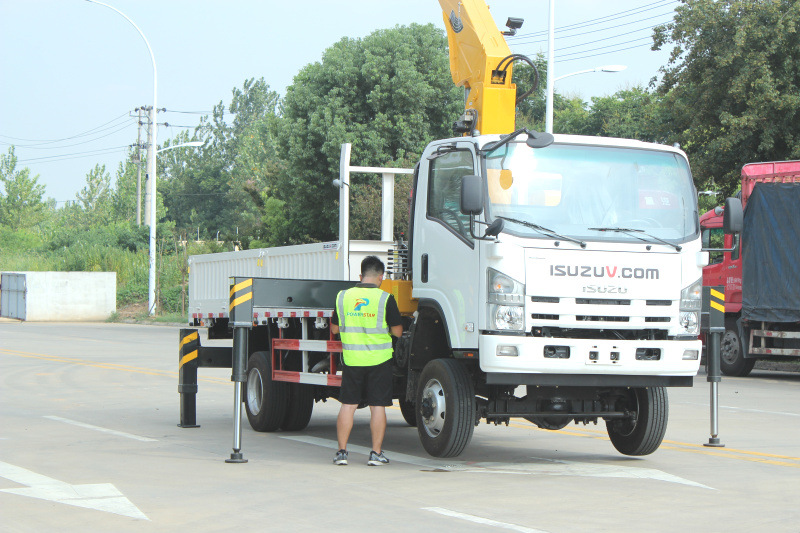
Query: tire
<point>264,399</point>
<point>643,435</point>
<point>446,408</point>
<point>731,355</point>
<point>408,412</point>
<point>299,407</point>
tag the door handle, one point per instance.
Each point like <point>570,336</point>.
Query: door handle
<point>424,273</point>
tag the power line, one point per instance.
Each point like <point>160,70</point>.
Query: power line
<point>599,54</point>
<point>75,155</point>
<point>87,132</point>
<point>599,29</point>
<point>189,112</point>
<point>608,38</point>
<point>599,20</point>
<point>604,47</point>
<point>117,130</point>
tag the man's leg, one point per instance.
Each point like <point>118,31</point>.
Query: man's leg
<point>377,426</point>
<point>344,424</point>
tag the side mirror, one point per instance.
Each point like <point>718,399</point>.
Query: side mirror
<point>733,216</point>
<point>471,195</point>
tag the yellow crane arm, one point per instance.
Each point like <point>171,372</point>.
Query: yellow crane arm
<point>477,49</point>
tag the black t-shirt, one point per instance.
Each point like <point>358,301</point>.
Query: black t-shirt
<point>393,317</point>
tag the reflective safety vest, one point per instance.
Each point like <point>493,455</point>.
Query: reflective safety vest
<point>366,340</point>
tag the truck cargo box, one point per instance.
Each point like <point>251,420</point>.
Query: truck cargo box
<point>771,255</point>
<point>209,273</point>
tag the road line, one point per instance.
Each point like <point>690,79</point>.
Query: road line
<point>542,467</point>
<point>731,408</point>
<point>98,496</point>
<point>480,520</point>
<point>100,429</point>
<point>106,366</point>
<point>730,453</point>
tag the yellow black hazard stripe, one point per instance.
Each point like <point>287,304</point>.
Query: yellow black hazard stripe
<point>241,292</point>
<point>717,300</point>
<point>191,340</point>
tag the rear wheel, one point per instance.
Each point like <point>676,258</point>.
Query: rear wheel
<point>732,360</point>
<point>265,400</point>
<point>642,434</point>
<point>445,410</point>
<point>299,408</point>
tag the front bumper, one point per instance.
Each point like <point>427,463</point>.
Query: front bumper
<point>587,356</point>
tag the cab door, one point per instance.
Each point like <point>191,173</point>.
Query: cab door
<point>445,256</point>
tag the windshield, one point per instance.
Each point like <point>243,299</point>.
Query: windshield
<point>587,192</point>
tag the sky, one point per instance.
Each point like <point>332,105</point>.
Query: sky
<point>72,72</point>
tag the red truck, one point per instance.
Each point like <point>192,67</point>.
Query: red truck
<point>761,274</point>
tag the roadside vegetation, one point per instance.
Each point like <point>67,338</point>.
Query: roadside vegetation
<point>263,175</point>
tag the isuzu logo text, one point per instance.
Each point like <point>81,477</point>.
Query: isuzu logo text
<point>582,271</point>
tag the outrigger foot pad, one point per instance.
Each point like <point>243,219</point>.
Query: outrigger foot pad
<point>713,442</point>
<point>236,458</point>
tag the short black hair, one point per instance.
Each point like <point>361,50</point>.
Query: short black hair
<point>372,265</point>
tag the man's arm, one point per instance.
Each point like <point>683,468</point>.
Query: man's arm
<point>335,322</point>
<point>393,318</point>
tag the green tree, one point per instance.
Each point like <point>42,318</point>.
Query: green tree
<point>21,203</point>
<point>731,84</point>
<point>95,199</point>
<point>217,187</point>
<point>634,113</point>
<point>388,94</point>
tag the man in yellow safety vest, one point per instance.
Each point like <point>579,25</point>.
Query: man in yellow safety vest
<point>365,318</point>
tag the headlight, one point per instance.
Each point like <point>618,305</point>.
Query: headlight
<point>506,298</point>
<point>508,317</point>
<point>691,300</point>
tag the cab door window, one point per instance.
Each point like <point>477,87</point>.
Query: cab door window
<point>444,191</point>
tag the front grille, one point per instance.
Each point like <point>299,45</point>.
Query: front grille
<point>656,319</point>
<point>659,302</point>
<point>601,301</point>
<point>590,318</point>
<point>537,316</point>
<point>545,299</point>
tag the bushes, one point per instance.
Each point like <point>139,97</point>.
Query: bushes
<point>120,248</point>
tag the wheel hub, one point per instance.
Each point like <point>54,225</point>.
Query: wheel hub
<point>433,408</point>
<point>254,391</point>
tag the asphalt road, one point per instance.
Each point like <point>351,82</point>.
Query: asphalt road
<point>89,442</point>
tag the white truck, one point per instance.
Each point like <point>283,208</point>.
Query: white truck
<point>552,278</point>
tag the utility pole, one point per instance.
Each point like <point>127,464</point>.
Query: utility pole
<point>148,155</point>
<point>139,170</point>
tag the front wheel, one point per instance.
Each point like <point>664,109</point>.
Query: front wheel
<point>265,400</point>
<point>445,411</point>
<point>642,434</point>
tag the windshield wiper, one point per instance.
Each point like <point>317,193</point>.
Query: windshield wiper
<point>634,233</point>
<point>545,231</point>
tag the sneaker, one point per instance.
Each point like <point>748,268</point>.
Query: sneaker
<point>341,458</point>
<point>377,459</point>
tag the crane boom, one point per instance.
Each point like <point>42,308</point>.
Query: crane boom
<point>477,49</point>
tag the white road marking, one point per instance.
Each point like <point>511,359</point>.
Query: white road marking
<point>100,497</point>
<point>543,467</point>
<point>102,430</point>
<point>730,408</point>
<point>480,520</point>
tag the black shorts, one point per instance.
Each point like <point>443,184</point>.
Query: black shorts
<point>370,384</point>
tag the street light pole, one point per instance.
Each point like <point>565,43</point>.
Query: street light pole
<point>150,179</point>
<point>551,55</point>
